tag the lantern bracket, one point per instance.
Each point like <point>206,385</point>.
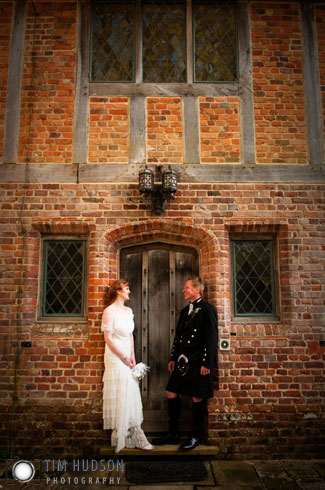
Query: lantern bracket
<point>158,193</point>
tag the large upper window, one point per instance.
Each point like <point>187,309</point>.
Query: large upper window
<point>64,278</point>
<point>152,39</point>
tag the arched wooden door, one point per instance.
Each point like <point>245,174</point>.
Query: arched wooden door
<point>156,273</point>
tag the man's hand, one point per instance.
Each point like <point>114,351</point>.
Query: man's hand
<point>204,371</point>
<point>171,366</point>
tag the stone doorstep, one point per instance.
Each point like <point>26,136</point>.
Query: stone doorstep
<point>209,452</point>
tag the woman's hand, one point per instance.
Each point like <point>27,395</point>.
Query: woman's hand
<point>126,360</point>
<point>132,362</point>
<point>129,361</point>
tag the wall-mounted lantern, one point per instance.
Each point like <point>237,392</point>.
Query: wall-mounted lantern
<point>158,193</point>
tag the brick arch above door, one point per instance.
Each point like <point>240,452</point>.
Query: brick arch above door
<point>206,242</point>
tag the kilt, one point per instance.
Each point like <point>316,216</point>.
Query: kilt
<point>192,383</point>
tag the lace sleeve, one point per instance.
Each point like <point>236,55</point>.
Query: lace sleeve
<point>107,321</point>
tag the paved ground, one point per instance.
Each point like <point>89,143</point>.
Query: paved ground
<point>222,475</point>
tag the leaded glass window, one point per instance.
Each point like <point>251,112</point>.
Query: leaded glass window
<point>215,41</point>
<point>148,41</point>
<point>164,42</point>
<point>113,42</point>
<point>253,268</point>
<point>64,277</point>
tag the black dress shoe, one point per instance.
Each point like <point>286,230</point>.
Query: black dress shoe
<point>189,444</point>
<point>166,439</point>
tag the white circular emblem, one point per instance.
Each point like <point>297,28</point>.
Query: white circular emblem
<point>224,344</point>
<point>23,471</point>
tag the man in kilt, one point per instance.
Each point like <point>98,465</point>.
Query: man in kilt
<point>192,358</point>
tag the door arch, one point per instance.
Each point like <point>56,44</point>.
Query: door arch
<point>156,273</point>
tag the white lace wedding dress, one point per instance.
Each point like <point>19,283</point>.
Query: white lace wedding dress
<point>122,405</point>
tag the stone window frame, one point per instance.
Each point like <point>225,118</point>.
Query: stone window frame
<point>189,50</point>
<point>257,318</point>
<point>62,318</point>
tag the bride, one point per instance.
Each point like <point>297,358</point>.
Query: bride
<point>122,405</point>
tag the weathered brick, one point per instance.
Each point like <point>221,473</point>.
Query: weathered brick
<point>219,129</point>
<point>164,130</point>
<point>48,87</point>
<point>109,129</point>
<point>278,83</point>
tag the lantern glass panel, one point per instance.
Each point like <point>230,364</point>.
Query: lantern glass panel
<point>146,180</point>
<point>169,181</point>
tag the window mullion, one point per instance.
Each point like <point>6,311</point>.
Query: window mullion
<point>189,41</point>
<point>138,42</point>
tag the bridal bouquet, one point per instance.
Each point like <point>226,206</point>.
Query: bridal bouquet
<point>139,371</point>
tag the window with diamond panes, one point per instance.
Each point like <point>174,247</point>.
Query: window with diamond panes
<point>215,58</point>
<point>64,277</point>
<point>162,41</point>
<point>253,268</point>
<point>113,42</point>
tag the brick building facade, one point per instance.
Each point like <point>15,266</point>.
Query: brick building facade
<point>249,155</point>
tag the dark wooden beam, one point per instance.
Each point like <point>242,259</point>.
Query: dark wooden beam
<point>137,129</point>
<point>80,150</point>
<point>191,118</point>
<point>12,121</point>
<point>247,124</point>
<point>312,85</point>
<point>188,173</point>
<point>164,89</point>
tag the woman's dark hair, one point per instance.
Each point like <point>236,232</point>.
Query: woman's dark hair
<point>114,288</point>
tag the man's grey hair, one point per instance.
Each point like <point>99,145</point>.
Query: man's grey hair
<point>197,283</point>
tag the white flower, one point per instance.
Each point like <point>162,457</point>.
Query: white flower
<point>195,311</point>
<point>139,371</point>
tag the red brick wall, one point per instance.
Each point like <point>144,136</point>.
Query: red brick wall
<point>6,11</point>
<point>269,396</point>
<point>268,390</point>
<point>320,25</point>
<point>278,83</point>
<point>109,129</point>
<point>49,135</point>
<point>219,129</point>
<point>164,130</point>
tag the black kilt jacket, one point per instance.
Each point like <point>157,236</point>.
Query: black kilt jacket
<point>195,345</point>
